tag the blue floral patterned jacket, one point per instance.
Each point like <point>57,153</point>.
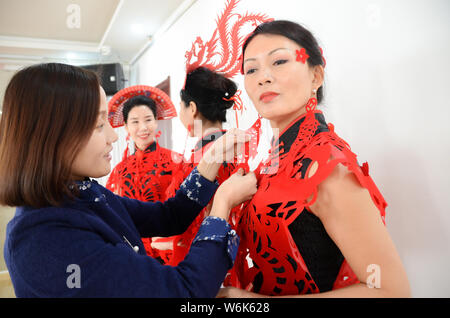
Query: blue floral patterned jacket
<point>91,247</point>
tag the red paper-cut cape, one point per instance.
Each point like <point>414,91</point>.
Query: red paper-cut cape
<point>145,176</point>
<point>272,235</point>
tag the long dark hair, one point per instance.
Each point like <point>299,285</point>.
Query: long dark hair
<point>49,113</point>
<point>296,33</point>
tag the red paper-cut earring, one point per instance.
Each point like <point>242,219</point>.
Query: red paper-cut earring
<point>311,104</point>
<point>302,56</point>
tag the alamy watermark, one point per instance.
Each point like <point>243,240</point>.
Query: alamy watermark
<point>74,279</point>
<point>374,279</point>
<point>373,16</point>
<point>236,154</point>
<point>73,20</point>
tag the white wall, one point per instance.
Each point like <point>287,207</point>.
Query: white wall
<point>386,91</point>
<point>5,77</point>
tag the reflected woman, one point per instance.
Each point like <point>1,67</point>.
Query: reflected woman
<point>146,173</point>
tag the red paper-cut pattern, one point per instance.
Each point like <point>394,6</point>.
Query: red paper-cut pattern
<point>225,43</point>
<point>311,104</point>
<point>285,191</point>
<point>222,53</point>
<point>145,175</point>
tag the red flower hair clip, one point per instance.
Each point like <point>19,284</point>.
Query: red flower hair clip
<point>302,56</point>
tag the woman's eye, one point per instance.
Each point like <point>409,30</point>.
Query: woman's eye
<point>279,62</point>
<point>100,126</point>
<point>250,71</point>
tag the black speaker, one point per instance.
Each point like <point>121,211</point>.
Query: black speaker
<point>111,76</point>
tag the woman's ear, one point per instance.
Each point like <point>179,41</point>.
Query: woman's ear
<point>193,108</point>
<point>318,76</point>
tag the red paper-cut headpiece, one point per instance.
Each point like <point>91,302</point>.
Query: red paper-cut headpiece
<point>164,105</point>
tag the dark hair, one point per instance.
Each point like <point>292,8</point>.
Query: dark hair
<point>138,101</point>
<point>49,113</point>
<point>296,33</point>
<point>208,89</point>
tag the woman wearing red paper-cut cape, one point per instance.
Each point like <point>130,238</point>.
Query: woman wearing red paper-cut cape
<point>146,172</point>
<point>316,224</point>
<point>205,99</point>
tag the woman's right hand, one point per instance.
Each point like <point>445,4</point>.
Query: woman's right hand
<point>224,149</point>
<point>236,189</point>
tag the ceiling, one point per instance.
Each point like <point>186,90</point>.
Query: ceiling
<point>81,32</point>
